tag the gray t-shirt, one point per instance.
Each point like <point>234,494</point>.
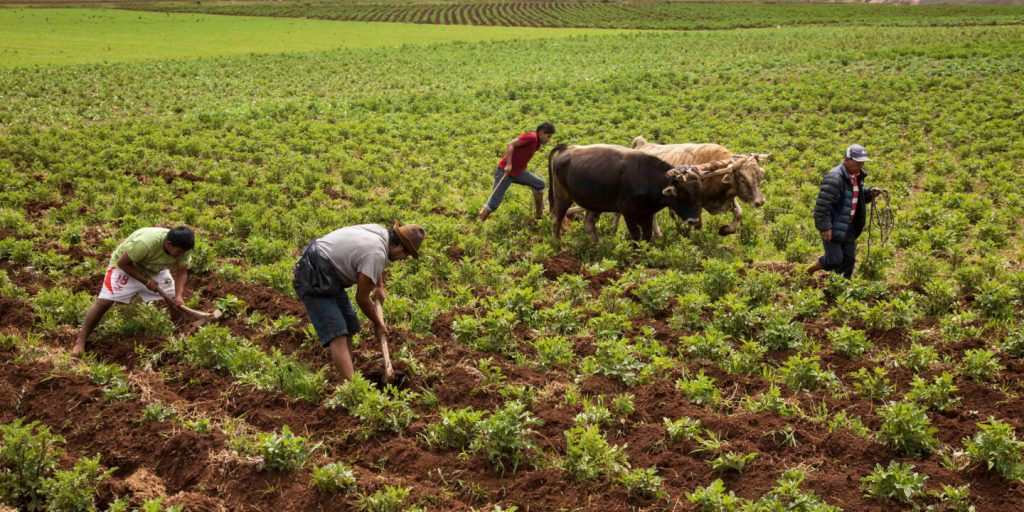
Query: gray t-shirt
<point>355,250</point>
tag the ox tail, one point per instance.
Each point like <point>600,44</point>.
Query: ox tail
<point>551,180</point>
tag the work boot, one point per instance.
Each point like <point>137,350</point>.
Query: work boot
<point>816,266</point>
<point>484,213</point>
<point>538,201</point>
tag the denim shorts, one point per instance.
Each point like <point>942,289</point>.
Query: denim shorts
<point>330,313</point>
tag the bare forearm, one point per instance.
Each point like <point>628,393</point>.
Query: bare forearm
<point>180,276</point>
<point>129,268</point>
<point>369,308</point>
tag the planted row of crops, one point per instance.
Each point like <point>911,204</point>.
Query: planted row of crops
<point>701,372</point>
<point>644,15</point>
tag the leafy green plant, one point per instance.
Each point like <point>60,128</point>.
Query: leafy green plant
<point>503,438</point>
<point>1013,343</point>
<point>873,385</point>
<point>732,461</point>
<point>334,478</point>
<point>59,306</point>
<point>897,483</point>
<point>780,332</point>
<point>75,489</point>
<point>593,414</point>
<point>700,389</point>
<point>682,429</point>
<point>642,483</point>
<point>29,453</point>
<point>159,412</point>
<point>615,358</point>
<point>720,277</point>
<point>230,305</point>
<point>714,498</point>
<point>456,429</point>
<point>936,395</point>
<point>588,455</point>
<point>907,428</point>
<point>553,351</point>
<point>981,365</point>
<point>772,401</point>
<point>897,313</point>
<point>561,319</point>
<point>807,302</point>
<point>804,373</point>
<point>952,498</point>
<point>712,345</point>
<point>389,499</point>
<point>996,446</point>
<point>849,342</point>
<point>389,409</point>
<point>919,357</point>
<point>282,451</point>
<point>997,300</point>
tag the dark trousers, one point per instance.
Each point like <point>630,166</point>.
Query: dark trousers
<point>840,257</point>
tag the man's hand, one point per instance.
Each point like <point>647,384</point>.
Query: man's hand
<point>380,295</point>
<point>508,169</point>
<point>380,331</point>
<point>152,285</point>
<point>826,235</point>
<point>875,192</point>
<point>179,300</point>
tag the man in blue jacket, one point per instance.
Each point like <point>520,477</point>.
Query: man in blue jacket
<point>839,213</point>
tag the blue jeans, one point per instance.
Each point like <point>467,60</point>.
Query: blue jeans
<point>526,178</point>
<point>840,257</point>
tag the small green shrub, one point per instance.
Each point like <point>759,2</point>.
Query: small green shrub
<point>642,483</point>
<point>593,414</point>
<point>714,498</point>
<point>849,342</point>
<point>700,389</point>
<point>720,277</point>
<point>457,428</point>
<point>919,358</point>
<point>282,451</point>
<point>981,365</point>
<point>379,410</point>
<point>334,478</point>
<point>732,461</point>
<point>996,446</point>
<point>75,489</point>
<point>615,358</point>
<point>772,401</point>
<point>937,395</point>
<point>897,483</point>
<point>159,412</point>
<point>589,455</point>
<point>1013,343</point>
<point>804,374</point>
<point>389,499</point>
<point>872,385</point>
<point>906,428</point>
<point>554,351</point>
<point>28,455</point>
<point>503,438</point>
<point>682,429</point>
<point>59,306</point>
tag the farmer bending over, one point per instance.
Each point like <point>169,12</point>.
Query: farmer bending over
<point>354,255</point>
<point>512,169</point>
<point>141,266</point>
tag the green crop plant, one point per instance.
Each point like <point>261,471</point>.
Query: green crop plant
<point>588,455</point>
<point>960,326</point>
<point>981,365</point>
<point>491,374</point>
<point>919,357</point>
<point>773,401</point>
<point>940,296</point>
<point>748,359</point>
<point>623,405</point>
<point>503,438</point>
<point>334,478</point>
<point>873,385</point>
<point>682,429</point>
<point>75,489</point>
<point>807,302</point>
<point>29,453</point>
<point>906,427</point>
<point>138,318</point>
<point>732,461</point>
<point>700,389</point>
<point>714,498</point>
<point>952,498</point>
<point>711,345</point>
<point>937,395</point>
<point>390,498</point>
<point>996,446</point>
<point>60,306</point>
<point>561,319</point>
<point>897,313</point>
<point>997,300</point>
<point>689,310</point>
<point>456,429</point>
<point>897,483</point>
<point>850,342</point>
<point>158,412</point>
<point>615,358</point>
<point>720,278</point>
<point>609,326</point>
<point>593,414</point>
<point>554,351</point>
<point>779,331</point>
<point>761,287</point>
<point>642,482</point>
<point>278,451</point>
<point>230,305</point>
<point>734,317</point>
<point>805,374</point>
<point>1013,343</point>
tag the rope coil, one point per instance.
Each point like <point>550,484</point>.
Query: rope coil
<point>880,218</point>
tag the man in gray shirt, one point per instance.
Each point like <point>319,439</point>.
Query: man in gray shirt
<point>353,255</point>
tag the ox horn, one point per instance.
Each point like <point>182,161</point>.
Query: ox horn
<point>669,191</point>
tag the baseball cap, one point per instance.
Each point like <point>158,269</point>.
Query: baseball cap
<point>858,153</point>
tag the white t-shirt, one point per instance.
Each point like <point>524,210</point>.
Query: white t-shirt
<point>355,250</point>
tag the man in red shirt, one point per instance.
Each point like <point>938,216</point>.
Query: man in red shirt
<point>512,169</point>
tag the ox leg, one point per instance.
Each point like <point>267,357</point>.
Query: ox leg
<point>647,228</point>
<point>737,215</point>
<point>591,223</point>
<point>654,226</point>
<point>634,228</point>
<point>615,222</point>
<point>561,206</point>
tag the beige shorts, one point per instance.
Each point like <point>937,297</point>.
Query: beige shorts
<point>121,287</point>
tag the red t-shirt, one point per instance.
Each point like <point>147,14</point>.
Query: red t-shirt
<point>521,155</point>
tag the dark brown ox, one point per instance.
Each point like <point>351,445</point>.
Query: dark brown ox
<point>609,178</point>
<point>720,189</point>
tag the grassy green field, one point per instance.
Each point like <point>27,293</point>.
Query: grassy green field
<point>618,14</point>
<point>76,36</point>
<point>696,373</point>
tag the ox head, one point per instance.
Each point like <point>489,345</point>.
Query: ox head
<point>744,176</point>
<point>683,193</point>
